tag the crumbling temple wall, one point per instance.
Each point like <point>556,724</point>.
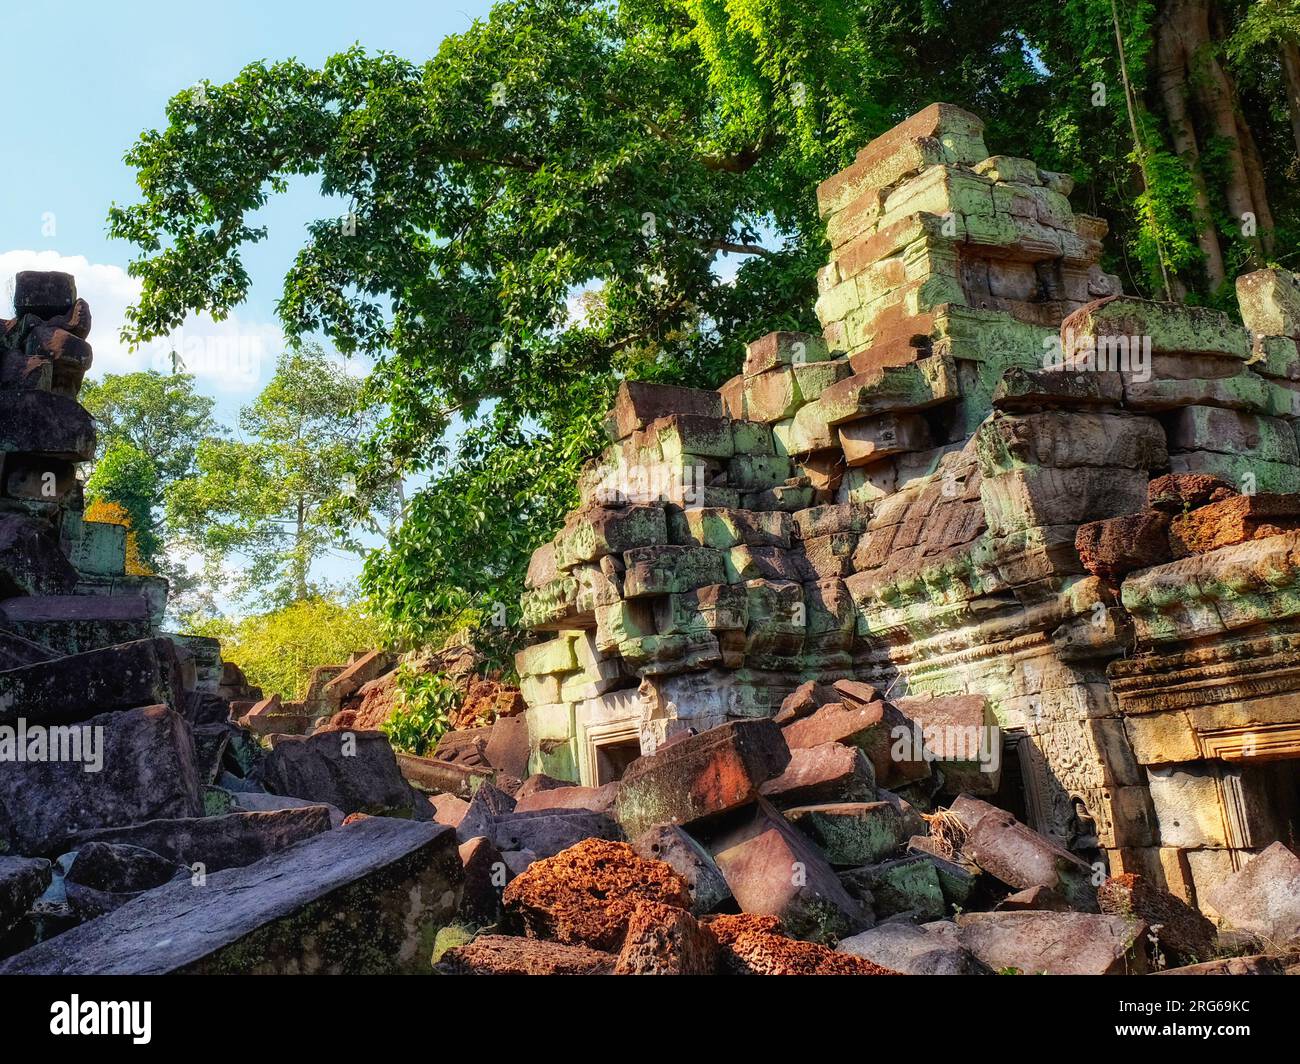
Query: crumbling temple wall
<point>63,580</point>
<point>1015,502</point>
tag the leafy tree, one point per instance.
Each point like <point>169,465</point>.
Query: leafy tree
<point>278,650</point>
<point>160,415</point>
<point>127,478</point>
<point>577,191</point>
<point>268,495</point>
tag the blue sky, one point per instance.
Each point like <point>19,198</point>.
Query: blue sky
<point>93,75</point>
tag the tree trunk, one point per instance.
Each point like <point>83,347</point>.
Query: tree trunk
<point>300,570</point>
<point>1258,189</point>
<point>1291,74</point>
<point>1216,95</point>
<point>1171,68</point>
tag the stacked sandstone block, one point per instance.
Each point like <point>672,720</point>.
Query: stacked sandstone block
<point>62,579</point>
<point>960,489</point>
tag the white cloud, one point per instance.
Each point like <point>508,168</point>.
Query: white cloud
<point>231,358</point>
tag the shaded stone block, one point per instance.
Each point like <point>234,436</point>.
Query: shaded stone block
<point>1037,942</point>
<point>675,848</point>
<point>115,768</point>
<point>700,776</point>
<point>361,900</point>
<point>39,422</point>
<point>773,870</point>
<point>31,560</point>
<point>354,771</point>
<point>850,833</point>
<point>216,842</point>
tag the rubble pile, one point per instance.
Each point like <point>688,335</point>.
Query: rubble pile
<point>718,879</point>
<point>142,829</point>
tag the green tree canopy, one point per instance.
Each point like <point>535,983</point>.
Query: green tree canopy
<point>267,495</point>
<point>127,476</point>
<point>160,415</point>
<point>574,191</point>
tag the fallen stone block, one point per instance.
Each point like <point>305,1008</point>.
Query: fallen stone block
<point>850,833</point>
<point>911,950</point>
<point>216,842</point>
<point>765,953</point>
<point>31,560</point>
<point>871,728</point>
<point>354,771</point>
<point>1264,897</point>
<point>1184,935</point>
<point>488,803</point>
<point>15,651</point>
<point>665,940</point>
<point>448,809</point>
<point>347,683</point>
<point>365,899</point>
<point>1019,856</point>
<point>431,775</point>
<point>700,776</point>
<point>547,832</point>
<point>261,802</point>
<point>1259,964</point>
<point>773,870</point>
<point>587,894</point>
<point>961,734</point>
<point>909,885</point>
<point>508,955</point>
<point>675,848</point>
<point>22,881</point>
<point>1048,943</point>
<point>803,701</point>
<point>828,772</point>
<point>104,876</point>
<point>75,624</point>
<point>486,877</point>
<point>592,799</point>
<point>116,768</point>
<point>1044,898</point>
<point>71,689</point>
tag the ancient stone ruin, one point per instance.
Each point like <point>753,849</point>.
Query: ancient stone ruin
<point>141,828</point>
<point>1047,529</point>
<point>961,638</point>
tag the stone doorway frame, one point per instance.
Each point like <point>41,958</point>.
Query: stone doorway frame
<point>602,733</point>
<point>1251,744</point>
